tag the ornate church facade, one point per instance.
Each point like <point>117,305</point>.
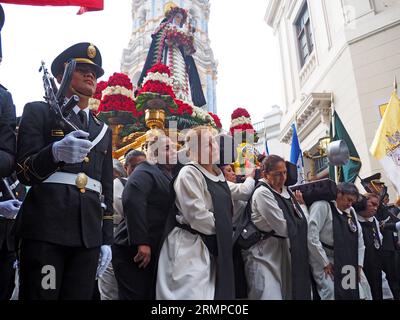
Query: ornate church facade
<point>146,16</point>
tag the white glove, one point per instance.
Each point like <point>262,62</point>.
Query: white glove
<point>104,261</point>
<point>73,148</point>
<point>9,209</point>
<point>398,226</point>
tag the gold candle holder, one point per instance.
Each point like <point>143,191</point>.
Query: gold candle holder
<point>155,118</point>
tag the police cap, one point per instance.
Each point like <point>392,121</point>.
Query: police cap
<point>83,52</point>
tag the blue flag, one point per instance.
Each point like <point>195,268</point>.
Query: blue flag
<point>296,156</point>
<point>266,147</point>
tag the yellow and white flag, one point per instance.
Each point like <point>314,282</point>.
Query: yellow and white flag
<point>386,144</point>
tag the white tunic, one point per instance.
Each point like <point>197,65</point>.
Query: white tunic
<point>118,209</point>
<point>320,229</point>
<point>186,270</point>
<point>267,263</point>
<point>241,193</point>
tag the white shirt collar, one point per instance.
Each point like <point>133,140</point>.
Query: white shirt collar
<point>342,211</point>
<point>284,193</point>
<point>362,219</point>
<point>209,175</point>
<point>77,109</point>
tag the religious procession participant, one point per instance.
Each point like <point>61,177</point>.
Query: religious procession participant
<point>388,219</point>
<point>277,266</point>
<point>108,285</point>
<point>240,192</point>
<point>196,257</point>
<point>372,236</point>
<point>336,246</point>
<point>145,202</point>
<point>66,218</point>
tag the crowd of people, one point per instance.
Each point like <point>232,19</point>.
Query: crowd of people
<point>158,227</point>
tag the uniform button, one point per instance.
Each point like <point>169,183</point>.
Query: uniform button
<point>86,159</point>
<point>82,190</point>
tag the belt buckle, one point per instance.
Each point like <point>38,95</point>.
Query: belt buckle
<point>81,181</point>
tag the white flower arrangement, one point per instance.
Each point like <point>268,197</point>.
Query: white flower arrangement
<point>240,121</point>
<point>94,104</point>
<point>117,90</point>
<point>161,77</point>
<point>202,114</point>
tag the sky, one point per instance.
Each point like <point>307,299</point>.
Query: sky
<point>249,73</point>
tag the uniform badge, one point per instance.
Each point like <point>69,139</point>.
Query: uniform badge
<point>57,133</point>
<point>91,51</point>
<point>352,225</point>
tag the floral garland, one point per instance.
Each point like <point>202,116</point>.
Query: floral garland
<point>120,79</point>
<point>183,108</point>
<point>117,90</point>
<point>240,112</point>
<point>157,85</point>
<point>117,99</point>
<point>241,122</point>
<point>216,119</point>
<point>180,38</point>
<point>160,77</point>
<point>160,68</point>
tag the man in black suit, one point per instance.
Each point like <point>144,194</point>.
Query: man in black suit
<point>66,218</point>
<point>146,200</point>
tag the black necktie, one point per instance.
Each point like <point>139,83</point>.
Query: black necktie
<point>83,118</point>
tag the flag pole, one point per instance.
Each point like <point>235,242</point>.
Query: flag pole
<point>335,168</point>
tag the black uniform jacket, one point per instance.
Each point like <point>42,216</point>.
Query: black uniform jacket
<point>7,133</point>
<point>7,230</point>
<point>61,213</point>
<point>146,200</point>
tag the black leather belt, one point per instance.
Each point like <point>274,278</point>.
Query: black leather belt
<point>209,240</point>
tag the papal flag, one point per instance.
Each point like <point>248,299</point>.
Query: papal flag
<point>386,144</point>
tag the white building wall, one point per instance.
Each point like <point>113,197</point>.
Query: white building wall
<point>356,56</point>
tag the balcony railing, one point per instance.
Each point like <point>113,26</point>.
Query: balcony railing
<point>259,126</point>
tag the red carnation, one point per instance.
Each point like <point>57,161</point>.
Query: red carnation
<point>216,120</point>
<point>183,108</point>
<point>240,112</point>
<point>99,89</point>
<point>120,79</point>
<point>160,68</point>
<point>157,87</point>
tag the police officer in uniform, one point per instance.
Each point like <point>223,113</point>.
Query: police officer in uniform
<point>10,190</point>
<point>66,220</point>
<point>7,123</point>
